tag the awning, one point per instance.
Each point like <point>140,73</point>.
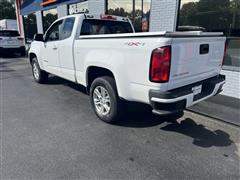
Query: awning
<point>31,6</point>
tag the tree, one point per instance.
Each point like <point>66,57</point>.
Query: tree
<point>137,22</point>
<point>119,12</point>
<point>213,15</point>
<point>48,19</point>
<point>188,13</point>
<point>7,9</point>
<point>235,10</point>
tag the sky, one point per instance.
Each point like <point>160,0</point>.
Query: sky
<point>127,4</point>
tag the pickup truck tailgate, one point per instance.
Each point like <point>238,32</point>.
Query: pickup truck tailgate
<point>195,59</point>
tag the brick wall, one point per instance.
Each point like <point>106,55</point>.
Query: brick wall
<point>163,16</point>
<point>232,86</point>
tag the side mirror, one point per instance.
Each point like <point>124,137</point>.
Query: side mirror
<point>38,37</point>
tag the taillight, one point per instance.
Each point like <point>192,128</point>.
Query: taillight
<point>160,64</point>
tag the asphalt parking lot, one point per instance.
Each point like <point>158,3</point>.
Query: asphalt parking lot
<point>50,132</point>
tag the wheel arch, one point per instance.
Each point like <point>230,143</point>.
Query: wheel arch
<point>31,56</point>
<point>94,72</point>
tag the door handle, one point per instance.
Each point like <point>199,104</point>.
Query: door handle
<point>204,49</point>
<point>55,47</point>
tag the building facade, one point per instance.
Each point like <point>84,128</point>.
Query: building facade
<point>35,16</point>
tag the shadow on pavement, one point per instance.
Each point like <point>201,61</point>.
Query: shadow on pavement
<point>139,120</point>
<point>54,80</point>
<point>135,115</point>
<point>2,64</point>
<point>6,70</point>
<point>4,67</point>
<point>201,136</point>
<point>10,55</point>
<point>139,115</point>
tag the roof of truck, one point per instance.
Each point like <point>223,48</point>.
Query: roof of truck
<point>99,16</point>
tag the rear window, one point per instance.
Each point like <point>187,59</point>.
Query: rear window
<point>95,27</point>
<point>9,33</point>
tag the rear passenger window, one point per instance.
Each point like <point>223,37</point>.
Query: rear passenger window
<point>67,28</point>
<point>95,27</point>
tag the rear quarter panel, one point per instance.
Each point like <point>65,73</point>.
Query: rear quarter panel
<point>127,58</point>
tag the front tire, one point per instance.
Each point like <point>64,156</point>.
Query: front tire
<point>105,100</point>
<point>39,75</point>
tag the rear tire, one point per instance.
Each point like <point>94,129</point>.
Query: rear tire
<point>39,75</point>
<point>105,100</point>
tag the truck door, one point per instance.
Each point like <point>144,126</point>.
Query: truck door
<point>50,49</point>
<point>65,47</point>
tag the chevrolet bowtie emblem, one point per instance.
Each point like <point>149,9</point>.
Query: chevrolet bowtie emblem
<point>45,3</point>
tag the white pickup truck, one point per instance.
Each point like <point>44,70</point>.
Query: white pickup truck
<point>167,70</point>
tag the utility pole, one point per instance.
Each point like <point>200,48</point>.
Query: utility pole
<point>133,13</point>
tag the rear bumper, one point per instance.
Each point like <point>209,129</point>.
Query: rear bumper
<point>12,50</point>
<point>176,100</point>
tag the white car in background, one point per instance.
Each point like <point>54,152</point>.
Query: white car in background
<point>11,42</point>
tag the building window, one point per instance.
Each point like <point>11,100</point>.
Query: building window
<point>142,14</point>
<point>137,10</point>
<point>232,58</point>
<point>120,8</point>
<point>77,8</point>
<point>214,16</point>
<point>49,16</point>
<point>30,27</point>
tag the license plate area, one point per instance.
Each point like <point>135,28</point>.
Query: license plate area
<point>11,42</point>
<point>206,89</point>
<point>208,86</point>
<point>197,90</point>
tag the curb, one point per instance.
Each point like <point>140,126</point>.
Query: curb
<point>215,124</point>
<point>212,117</point>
